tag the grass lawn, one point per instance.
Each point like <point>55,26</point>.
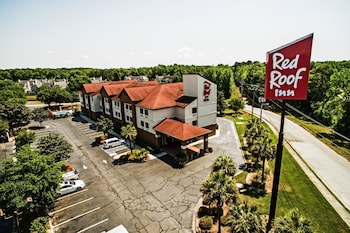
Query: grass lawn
<point>295,191</point>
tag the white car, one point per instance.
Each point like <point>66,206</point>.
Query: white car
<point>112,142</point>
<point>72,175</point>
<point>70,186</point>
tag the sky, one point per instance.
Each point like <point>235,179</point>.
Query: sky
<point>136,33</point>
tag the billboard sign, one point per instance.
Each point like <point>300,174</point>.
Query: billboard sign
<point>287,70</point>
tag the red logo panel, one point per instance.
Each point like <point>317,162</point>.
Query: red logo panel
<point>287,70</point>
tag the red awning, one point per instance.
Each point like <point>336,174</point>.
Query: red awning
<point>180,130</point>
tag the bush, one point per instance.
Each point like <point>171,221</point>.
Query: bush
<point>138,155</point>
<point>206,222</point>
<point>203,211</point>
<point>181,158</point>
<point>38,225</point>
<point>225,220</point>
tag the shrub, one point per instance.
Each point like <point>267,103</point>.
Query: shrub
<point>38,225</point>
<point>181,158</point>
<point>203,211</point>
<point>206,222</point>
<point>138,155</point>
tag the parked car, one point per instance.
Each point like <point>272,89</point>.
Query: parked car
<point>72,175</point>
<point>70,186</point>
<point>112,142</point>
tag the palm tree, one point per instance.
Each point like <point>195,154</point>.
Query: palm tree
<point>226,164</point>
<point>245,219</point>
<point>267,153</point>
<point>129,132</point>
<point>292,222</point>
<point>219,189</point>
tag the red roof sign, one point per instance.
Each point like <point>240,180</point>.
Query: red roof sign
<point>287,70</point>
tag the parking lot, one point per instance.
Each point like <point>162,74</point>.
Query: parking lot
<point>148,197</point>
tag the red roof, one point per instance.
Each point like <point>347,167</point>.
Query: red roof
<point>180,130</point>
<point>138,93</point>
<point>93,87</point>
<point>162,96</point>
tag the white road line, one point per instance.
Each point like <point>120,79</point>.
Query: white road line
<point>89,227</point>
<point>84,190</point>
<point>78,216</point>
<point>67,207</point>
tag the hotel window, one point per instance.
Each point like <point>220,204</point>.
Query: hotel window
<point>194,122</point>
<point>141,110</point>
<point>146,112</point>
<point>194,110</point>
<point>147,126</point>
<point>142,123</point>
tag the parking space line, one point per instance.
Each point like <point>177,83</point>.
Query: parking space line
<point>63,197</point>
<point>67,207</point>
<point>89,227</point>
<point>78,216</point>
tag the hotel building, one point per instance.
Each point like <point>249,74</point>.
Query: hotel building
<point>163,114</point>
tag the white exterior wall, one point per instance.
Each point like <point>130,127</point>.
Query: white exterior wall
<point>190,117</point>
<point>116,109</point>
<point>206,110</point>
<point>154,117</point>
<point>86,101</point>
<point>107,109</point>
<point>95,103</point>
<point>81,99</point>
<point>128,113</point>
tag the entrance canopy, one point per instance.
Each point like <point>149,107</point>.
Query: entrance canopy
<point>179,130</point>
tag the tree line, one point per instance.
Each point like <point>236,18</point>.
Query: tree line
<point>328,94</point>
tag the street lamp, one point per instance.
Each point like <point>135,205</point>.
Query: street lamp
<point>262,104</point>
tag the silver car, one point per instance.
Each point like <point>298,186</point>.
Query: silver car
<point>70,186</point>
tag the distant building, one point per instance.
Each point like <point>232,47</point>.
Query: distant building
<point>140,78</point>
<point>32,86</point>
<point>163,114</point>
<point>164,79</point>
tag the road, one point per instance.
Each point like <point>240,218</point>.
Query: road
<point>332,169</point>
<point>145,197</point>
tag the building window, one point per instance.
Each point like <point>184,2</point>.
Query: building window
<point>127,118</point>
<point>141,110</point>
<point>194,110</point>
<point>147,126</point>
<point>194,122</point>
<point>142,123</point>
<point>146,112</point>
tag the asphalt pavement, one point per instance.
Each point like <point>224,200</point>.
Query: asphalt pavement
<point>328,170</point>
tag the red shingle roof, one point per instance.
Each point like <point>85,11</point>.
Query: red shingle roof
<point>138,93</point>
<point>180,130</point>
<point>162,96</point>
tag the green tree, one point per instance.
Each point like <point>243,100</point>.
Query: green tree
<point>292,222</point>
<point>4,125</point>
<point>104,125</point>
<point>245,219</point>
<point>54,144</point>
<point>236,104</point>
<point>11,92</point>
<point>28,175</point>
<point>40,115</point>
<point>226,164</point>
<point>221,105</point>
<point>15,114</point>
<point>129,132</point>
<point>44,95</point>
<point>217,190</point>
<point>24,137</point>
<point>38,225</point>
